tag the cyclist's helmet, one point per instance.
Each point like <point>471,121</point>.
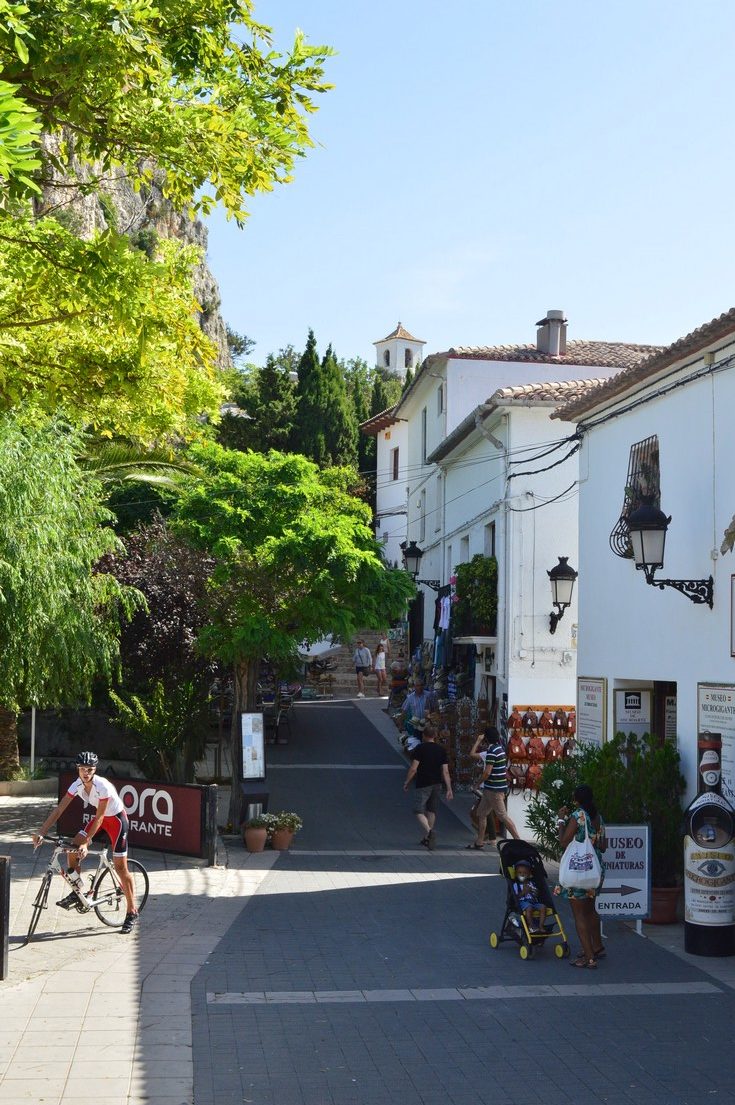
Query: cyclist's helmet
<point>87,759</point>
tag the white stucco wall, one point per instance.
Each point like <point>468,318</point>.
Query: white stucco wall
<point>532,665</point>
<point>390,494</point>
<point>630,631</point>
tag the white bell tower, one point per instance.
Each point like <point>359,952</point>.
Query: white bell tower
<point>399,351</point>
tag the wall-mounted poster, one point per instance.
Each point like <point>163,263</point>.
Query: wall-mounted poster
<point>253,746</point>
<point>592,710</point>
<point>732,615</point>
<point>716,714</point>
<point>633,711</point>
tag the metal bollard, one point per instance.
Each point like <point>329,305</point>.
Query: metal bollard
<point>211,823</point>
<point>4,914</point>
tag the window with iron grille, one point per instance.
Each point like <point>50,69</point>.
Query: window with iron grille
<point>644,481</point>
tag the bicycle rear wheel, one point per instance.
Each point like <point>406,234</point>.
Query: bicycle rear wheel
<point>39,905</point>
<point>109,897</point>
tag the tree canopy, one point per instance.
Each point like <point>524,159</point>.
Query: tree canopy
<point>295,559</point>
<point>100,331</point>
<point>59,617</point>
<point>191,90</point>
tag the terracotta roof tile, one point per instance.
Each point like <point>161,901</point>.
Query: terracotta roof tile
<point>372,426</point>
<point>548,391</point>
<point>660,358</point>
<point>399,332</point>
<point>606,354</point>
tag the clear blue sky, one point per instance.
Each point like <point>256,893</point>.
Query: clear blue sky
<point>482,161</point>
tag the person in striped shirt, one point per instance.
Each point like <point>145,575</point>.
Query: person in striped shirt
<point>494,788</point>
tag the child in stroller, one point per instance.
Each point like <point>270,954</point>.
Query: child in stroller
<point>527,894</point>
<point>530,912</point>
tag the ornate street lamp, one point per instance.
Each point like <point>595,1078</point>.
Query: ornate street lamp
<point>562,579</point>
<point>412,563</point>
<point>647,526</point>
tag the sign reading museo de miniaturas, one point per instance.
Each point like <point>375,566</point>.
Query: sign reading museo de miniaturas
<point>626,889</point>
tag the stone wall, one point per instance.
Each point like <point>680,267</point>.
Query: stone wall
<point>115,201</point>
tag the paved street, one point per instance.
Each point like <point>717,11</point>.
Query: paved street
<point>353,969</point>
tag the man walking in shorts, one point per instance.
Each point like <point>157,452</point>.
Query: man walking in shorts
<point>430,768</point>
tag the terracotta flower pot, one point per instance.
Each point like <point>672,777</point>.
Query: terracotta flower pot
<point>664,903</point>
<point>281,839</point>
<point>255,839</point>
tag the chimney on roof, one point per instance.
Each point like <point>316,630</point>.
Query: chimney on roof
<point>551,336</point>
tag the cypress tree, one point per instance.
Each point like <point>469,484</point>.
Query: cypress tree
<point>308,435</point>
<point>277,400</point>
<point>340,426</point>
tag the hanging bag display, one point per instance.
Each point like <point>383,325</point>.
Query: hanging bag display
<point>580,868</point>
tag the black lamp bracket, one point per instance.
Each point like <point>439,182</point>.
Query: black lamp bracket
<point>433,583</point>
<point>698,590</point>
<point>554,619</point>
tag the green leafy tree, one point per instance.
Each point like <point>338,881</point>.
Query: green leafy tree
<point>59,617</point>
<point>171,724</point>
<point>295,559</point>
<point>189,94</point>
<point>98,331</point>
<point>265,403</point>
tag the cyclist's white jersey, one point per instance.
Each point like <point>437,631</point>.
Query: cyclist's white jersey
<point>101,788</point>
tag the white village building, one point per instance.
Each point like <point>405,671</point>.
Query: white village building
<point>657,657</point>
<point>482,469</point>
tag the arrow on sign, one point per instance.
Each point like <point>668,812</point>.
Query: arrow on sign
<point>623,890</point>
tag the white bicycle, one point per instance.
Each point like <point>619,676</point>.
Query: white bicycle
<point>105,895</point>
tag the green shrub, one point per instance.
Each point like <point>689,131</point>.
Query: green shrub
<point>635,780</point>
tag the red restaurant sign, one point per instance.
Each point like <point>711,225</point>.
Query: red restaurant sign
<point>163,816</point>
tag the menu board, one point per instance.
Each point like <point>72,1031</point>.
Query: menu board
<point>252,733</point>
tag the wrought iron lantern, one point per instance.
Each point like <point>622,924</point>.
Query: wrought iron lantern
<point>647,526</point>
<point>562,578</point>
<point>412,563</point>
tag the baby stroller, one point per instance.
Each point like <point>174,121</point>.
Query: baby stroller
<point>514,925</point>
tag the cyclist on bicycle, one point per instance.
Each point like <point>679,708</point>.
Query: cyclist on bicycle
<point>111,816</point>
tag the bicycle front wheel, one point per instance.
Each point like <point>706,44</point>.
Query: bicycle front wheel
<point>39,905</point>
<point>108,896</point>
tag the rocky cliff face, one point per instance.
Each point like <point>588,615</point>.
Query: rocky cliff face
<point>115,202</point>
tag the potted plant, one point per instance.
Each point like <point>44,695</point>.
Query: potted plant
<point>475,609</point>
<point>285,825</point>
<point>256,832</point>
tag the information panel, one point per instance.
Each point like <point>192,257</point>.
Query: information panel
<point>591,709</point>
<point>252,733</point>
<point>626,891</point>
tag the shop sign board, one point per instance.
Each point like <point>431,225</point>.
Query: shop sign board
<point>670,733</point>
<point>592,710</point>
<point>163,816</point>
<point>252,730</point>
<point>716,714</point>
<point>626,891</point>
<point>633,711</point>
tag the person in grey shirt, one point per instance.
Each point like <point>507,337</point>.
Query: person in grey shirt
<point>363,664</point>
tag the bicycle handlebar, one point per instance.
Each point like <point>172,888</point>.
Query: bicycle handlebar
<point>64,842</point>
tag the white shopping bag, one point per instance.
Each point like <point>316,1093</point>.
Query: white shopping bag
<point>580,868</point>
